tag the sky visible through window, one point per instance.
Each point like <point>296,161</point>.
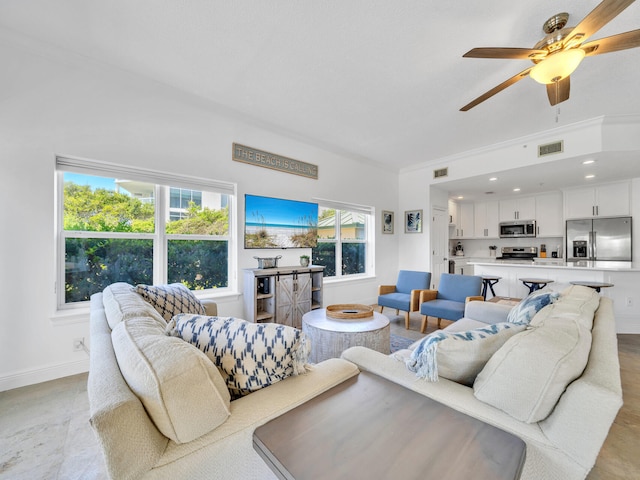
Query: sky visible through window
<point>93,182</point>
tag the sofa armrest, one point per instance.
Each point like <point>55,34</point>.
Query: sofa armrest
<point>384,289</point>
<point>487,312</point>
<point>210,307</point>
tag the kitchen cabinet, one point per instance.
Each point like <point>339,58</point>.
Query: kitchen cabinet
<point>462,267</point>
<point>549,220</point>
<point>606,200</point>
<point>453,212</point>
<point>518,209</point>
<point>486,218</point>
<point>282,295</point>
<point>464,225</point>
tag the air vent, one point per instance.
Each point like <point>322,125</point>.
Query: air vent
<point>441,172</point>
<point>550,148</point>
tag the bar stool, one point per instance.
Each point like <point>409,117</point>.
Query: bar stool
<point>595,285</point>
<point>489,281</point>
<point>534,284</point>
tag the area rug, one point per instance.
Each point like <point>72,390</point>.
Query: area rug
<point>398,342</point>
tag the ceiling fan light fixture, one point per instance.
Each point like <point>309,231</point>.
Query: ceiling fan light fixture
<point>557,66</point>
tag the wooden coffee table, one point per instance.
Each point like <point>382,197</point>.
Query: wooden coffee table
<point>369,427</point>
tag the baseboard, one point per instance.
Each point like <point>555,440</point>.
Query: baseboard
<point>39,375</point>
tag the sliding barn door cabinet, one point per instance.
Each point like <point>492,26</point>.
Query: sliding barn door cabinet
<point>282,295</point>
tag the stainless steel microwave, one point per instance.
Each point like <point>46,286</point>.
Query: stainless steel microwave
<point>518,228</point>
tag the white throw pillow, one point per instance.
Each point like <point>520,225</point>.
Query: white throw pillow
<point>459,356</point>
<point>170,300</point>
<point>121,302</point>
<point>250,356</point>
<point>526,377</point>
<point>181,390</point>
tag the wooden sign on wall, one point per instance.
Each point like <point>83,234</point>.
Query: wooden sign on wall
<point>261,158</point>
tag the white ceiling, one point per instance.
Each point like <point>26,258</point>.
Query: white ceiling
<point>378,80</point>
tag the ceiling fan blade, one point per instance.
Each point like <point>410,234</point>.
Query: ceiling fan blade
<point>595,20</point>
<point>509,53</point>
<point>497,89</point>
<point>614,43</point>
<point>558,92</point>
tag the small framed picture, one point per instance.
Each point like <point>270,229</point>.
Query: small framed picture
<point>413,221</point>
<point>387,221</point>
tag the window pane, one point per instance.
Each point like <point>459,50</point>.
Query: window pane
<point>199,264</point>
<point>326,223</point>
<point>101,204</point>
<point>325,254</point>
<point>93,263</point>
<point>201,213</point>
<point>352,226</point>
<point>353,258</point>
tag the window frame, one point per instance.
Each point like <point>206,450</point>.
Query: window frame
<point>368,241</point>
<point>163,182</point>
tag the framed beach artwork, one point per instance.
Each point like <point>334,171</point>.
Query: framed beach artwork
<point>387,221</point>
<point>413,221</point>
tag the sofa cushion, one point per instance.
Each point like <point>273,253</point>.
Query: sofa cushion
<point>576,302</point>
<point>524,311</point>
<point>120,302</point>
<point>170,300</point>
<point>526,377</point>
<point>459,356</point>
<point>159,369</point>
<point>250,356</point>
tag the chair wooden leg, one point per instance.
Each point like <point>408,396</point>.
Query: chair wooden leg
<point>439,319</point>
<point>406,321</point>
<point>397,311</point>
<point>381,308</point>
<point>423,327</point>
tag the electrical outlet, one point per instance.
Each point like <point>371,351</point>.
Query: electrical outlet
<point>78,343</point>
<point>629,302</point>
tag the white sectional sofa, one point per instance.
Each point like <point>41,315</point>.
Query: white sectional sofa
<point>522,381</point>
<point>213,436</point>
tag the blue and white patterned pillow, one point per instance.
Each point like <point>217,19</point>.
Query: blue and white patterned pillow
<point>459,356</point>
<point>250,356</point>
<point>524,311</point>
<point>170,300</point>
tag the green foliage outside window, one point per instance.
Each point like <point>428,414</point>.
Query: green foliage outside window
<point>91,264</point>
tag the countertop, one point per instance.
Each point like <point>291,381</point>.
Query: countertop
<point>554,263</point>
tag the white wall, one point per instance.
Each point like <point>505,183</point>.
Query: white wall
<point>50,108</point>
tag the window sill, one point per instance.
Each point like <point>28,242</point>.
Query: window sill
<point>349,279</point>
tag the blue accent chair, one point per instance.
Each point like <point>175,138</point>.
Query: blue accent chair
<point>405,294</point>
<point>448,302</point>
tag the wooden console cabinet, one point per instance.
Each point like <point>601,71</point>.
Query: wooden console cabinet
<point>283,294</point>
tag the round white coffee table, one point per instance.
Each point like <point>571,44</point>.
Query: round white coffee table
<point>332,336</point>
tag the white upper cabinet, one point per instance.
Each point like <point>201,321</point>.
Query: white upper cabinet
<point>549,220</point>
<point>611,199</point>
<point>518,209</point>
<point>453,212</point>
<point>466,220</point>
<point>486,219</point>
<point>461,219</point>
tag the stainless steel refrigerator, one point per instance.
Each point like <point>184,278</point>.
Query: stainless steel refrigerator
<point>599,239</point>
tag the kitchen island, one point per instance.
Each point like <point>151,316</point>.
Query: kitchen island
<point>625,277</point>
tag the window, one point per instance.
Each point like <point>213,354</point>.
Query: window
<point>343,239</point>
<point>118,224</point>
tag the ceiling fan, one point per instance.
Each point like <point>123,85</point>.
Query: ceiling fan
<point>560,52</point>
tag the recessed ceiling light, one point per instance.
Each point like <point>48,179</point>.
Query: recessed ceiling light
<point>589,176</point>
<point>588,162</point>
<point>516,189</point>
<point>493,179</point>
<point>460,197</point>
